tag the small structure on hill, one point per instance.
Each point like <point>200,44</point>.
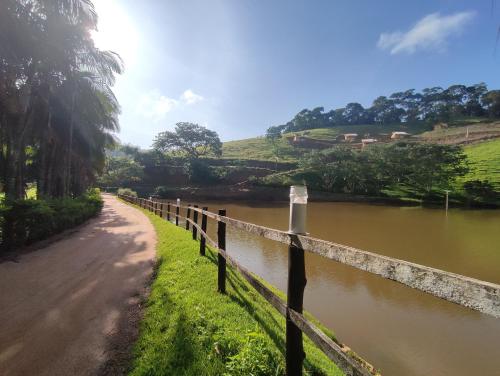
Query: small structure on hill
<point>399,135</point>
<point>368,141</point>
<point>349,137</point>
<point>439,126</point>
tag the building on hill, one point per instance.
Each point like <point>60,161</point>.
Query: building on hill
<point>368,141</point>
<point>399,135</point>
<point>350,137</point>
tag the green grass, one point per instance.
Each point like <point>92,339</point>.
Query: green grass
<point>258,147</point>
<point>251,148</point>
<point>190,329</point>
<point>484,161</point>
<point>459,132</point>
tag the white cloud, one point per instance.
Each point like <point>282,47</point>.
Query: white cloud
<point>156,106</point>
<point>431,32</point>
<point>190,98</point>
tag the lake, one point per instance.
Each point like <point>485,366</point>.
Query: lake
<point>399,330</point>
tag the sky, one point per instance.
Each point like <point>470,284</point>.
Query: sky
<point>240,66</point>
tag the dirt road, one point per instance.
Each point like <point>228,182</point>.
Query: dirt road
<point>72,308</point>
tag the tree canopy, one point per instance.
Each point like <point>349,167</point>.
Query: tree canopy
<point>190,140</point>
<point>57,110</point>
<point>423,168</point>
<point>431,105</point>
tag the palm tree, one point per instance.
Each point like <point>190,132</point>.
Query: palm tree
<point>55,93</point>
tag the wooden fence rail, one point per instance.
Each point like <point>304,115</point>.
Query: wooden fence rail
<point>466,291</point>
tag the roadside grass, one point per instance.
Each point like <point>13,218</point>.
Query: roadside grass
<point>191,329</point>
<point>484,161</point>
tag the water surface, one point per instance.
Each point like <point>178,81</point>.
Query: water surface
<point>399,330</point>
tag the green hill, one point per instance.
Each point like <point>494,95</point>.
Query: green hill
<point>484,158</point>
<point>259,148</point>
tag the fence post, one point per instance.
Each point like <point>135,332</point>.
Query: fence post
<point>295,297</point>
<point>195,220</point>
<point>161,209</point>
<point>188,216</point>
<point>221,261</point>
<point>296,281</point>
<point>177,213</point>
<point>203,240</point>
<point>168,211</point>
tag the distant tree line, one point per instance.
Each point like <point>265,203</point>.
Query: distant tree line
<point>431,105</point>
<point>422,168</point>
<point>57,110</point>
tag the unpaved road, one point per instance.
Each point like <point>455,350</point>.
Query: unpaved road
<point>73,307</point>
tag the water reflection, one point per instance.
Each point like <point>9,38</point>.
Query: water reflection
<point>400,330</point>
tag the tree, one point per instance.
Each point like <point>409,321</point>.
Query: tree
<point>188,139</point>
<point>492,101</point>
<point>384,111</point>
<point>355,113</point>
<point>48,65</point>
<point>121,172</point>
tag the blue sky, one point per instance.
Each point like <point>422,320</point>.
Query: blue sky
<point>240,66</point>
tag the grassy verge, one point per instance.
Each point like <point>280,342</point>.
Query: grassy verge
<point>190,329</point>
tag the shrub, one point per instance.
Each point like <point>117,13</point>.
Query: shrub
<point>127,192</point>
<point>162,192</point>
<point>199,172</point>
<point>480,189</point>
<point>26,221</point>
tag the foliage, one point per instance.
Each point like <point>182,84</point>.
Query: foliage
<point>190,329</point>
<point>188,139</point>
<point>259,148</point>
<point>481,190</point>
<point>121,171</point>
<point>199,172</point>
<point>423,167</point>
<point>27,221</point>
<point>57,110</point>
<point>430,106</point>
<point>127,192</point>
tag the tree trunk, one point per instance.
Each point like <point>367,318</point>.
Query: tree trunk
<point>67,177</point>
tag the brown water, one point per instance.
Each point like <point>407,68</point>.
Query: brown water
<point>399,330</point>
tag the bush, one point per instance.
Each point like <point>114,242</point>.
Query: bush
<point>26,221</point>
<point>480,189</point>
<point>162,192</point>
<point>199,172</point>
<point>127,192</point>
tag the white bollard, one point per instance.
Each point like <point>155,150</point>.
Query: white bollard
<point>298,209</point>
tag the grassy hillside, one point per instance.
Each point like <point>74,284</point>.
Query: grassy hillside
<point>485,161</point>
<point>457,135</point>
<point>259,148</point>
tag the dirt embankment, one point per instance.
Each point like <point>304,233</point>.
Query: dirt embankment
<point>73,307</point>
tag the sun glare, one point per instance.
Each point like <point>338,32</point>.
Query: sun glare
<point>116,31</point>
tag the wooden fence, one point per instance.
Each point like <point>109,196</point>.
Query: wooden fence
<point>469,292</point>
